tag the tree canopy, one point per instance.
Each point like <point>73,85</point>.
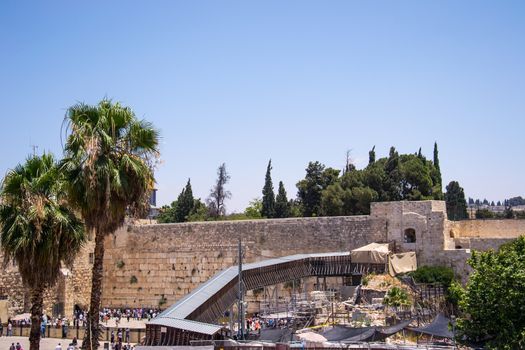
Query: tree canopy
<point>491,305</point>
<point>455,202</point>
<point>108,162</point>
<point>38,230</point>
<point>268,199</point>
<point>392,178</point>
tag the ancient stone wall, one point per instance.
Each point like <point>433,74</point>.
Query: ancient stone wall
<point>72,287</point>
<point>491,228</point>
<point>153,265</point>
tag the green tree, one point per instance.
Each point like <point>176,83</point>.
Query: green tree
<point>185,203</point>
<point>108,164</point>
<point>167,213</point>
<point>415,181</point>
<point>219,194</point>
<point>254,209</point>
<point>199,211</point>
<point>333,200</point>
<point>436,162</point>
<point>38,231</point>
<point>268,199</point>
<point>455,202</point>
<point>484,214</point>
<point>508,213</point>
<point>282,206</point>
<point>310,188</point>
<point>492,303</point>
<point>372,155</point>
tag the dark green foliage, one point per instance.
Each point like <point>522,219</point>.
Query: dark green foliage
<point>38,230</point>
<point>455,201</point>
<point>471,201</point>
<point>515,201</point>
<point>398,177</point>
<point>185,203</point>
<point>498,204</point>
<point>436,163</point>
<point>199,211</point>
<point>372,155</point>
<point>167,213</point>
<point>492,303</point>
<point>109,161</point>
<point>282,206</point>
<point>492,204</point>
<point>268,199</point>
<point>295,208</point>
<point>433,274</point>
<point>309,190</point>
<point>508,213</point>
<point>484,214</point>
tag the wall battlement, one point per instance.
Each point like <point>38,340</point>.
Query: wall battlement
<point>148,265</point>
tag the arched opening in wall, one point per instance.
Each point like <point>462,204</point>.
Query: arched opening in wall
<point>410,235</point>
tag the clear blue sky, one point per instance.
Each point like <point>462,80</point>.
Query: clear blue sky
<point>245,81</point>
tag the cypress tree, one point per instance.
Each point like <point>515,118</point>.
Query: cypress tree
<point>455,201</point>
<point>282,207</point>
<point>372,155</point>
<point>268,199</point>
<point>185,203</point>
<point>436,162</point>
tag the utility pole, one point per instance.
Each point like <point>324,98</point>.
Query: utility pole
<point>241,295</point>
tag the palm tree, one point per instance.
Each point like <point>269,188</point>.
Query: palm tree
<point>109,157</point>
<point>38,231</point>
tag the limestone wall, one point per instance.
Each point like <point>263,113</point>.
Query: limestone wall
<point>147,264</point>
<point>152,265</point>
<point>491,228</point>
<point>72,287</point>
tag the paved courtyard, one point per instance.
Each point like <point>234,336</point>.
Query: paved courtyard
<point>45,344</point>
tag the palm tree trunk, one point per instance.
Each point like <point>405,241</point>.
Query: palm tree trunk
<point>92,335</point>
<point>37,305</point>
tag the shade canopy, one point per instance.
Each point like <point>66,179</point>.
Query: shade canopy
<point>402,263</point>
<point>373,253</point>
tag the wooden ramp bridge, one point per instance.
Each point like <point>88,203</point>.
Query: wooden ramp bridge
<point>194,317</point>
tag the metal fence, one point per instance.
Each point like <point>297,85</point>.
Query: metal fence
<point>135,334</point>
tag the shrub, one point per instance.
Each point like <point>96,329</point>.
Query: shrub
<point>433,274</point>
<point>133,279</point>
<point>397,297</point>
<point>484,214</point>
<point>120,264</point>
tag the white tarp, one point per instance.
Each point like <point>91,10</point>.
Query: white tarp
<point>373,253</point>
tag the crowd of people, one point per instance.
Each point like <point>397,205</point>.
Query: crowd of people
<point>119,339</point>
<point>128,313</point>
